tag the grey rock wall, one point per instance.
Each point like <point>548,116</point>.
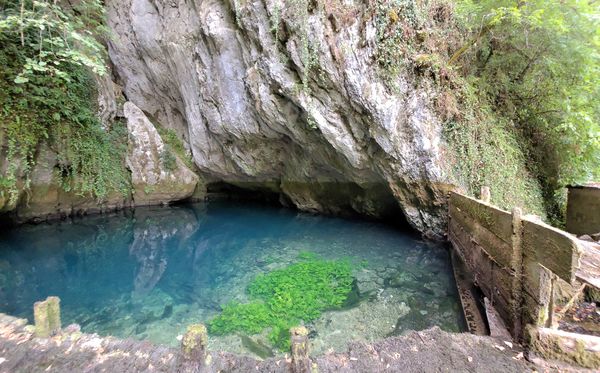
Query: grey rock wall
<point>215,73</point>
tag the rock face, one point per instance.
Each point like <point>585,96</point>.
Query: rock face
<point>47,199</point>
<point>157,174</point>
<point>267,97</point>
<point>152,180</point>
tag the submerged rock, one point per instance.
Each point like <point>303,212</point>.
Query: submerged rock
<point>168,311</point>
<point>258,348</point>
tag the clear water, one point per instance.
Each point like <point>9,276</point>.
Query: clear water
<point>148,273</point>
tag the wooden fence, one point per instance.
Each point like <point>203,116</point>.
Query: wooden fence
<point>515,260</point>
<point>520,263</point>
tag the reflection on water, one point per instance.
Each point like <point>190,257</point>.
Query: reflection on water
<point>147,274</point>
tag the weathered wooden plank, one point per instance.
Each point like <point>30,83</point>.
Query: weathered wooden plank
<point>537,280</point>
<point>493,219</point>
<point>501,296</point>
<point>589,264</point>
<point>458,235</point>
<point>474,318</point>
<point>499,250</point>
<point>495,321</point>
<point>476,261</point>
<point>580,349</point>
<point>493,280</point>
<point>533,312</point>
<point>516,265</point>
<point>554,249</point>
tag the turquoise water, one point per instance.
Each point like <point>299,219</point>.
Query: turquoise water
<point>148,273</point>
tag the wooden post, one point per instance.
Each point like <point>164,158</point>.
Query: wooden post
<point>551,302</point>
<point>300,359</point>
<point>194,343</point>
<point>486,196</point>
<point>46,315</point>
<point>516,264</point>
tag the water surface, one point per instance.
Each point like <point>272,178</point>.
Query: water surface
<point>148,273</point>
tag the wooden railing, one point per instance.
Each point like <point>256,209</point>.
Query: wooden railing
<point>518,261</point>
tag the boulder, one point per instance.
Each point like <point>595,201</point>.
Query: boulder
<point>158,175</point>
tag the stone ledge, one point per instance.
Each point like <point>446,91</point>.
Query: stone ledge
<point>429,350</point>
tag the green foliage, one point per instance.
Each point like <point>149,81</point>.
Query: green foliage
<point>47,93</point>
<point>54,37</point>
<point>537,63</point>
<point>284,297</point>
<point>485,151</point>
<point>412,35</point>
<point>518,87</point>
<point>392,21</point>
<point>168,159</point>
<point>173,144</point>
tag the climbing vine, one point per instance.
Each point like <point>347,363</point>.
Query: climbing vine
<point>297,13</point>
<point>49,54</point>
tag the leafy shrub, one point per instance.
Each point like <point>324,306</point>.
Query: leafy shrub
<point>284,297</point>
<point>173,143</point>
<point>168,159</point>
<point>518,84</point>
<point>536,63</point>
<point>48,55</point>
<point>485,151</point>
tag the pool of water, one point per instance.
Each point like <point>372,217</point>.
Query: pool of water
<point>148,273</point>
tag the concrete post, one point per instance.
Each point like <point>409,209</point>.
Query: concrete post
<point>300,360</point>
<point>194,343</point>
<point>46,316</point>
<point>486,195</point>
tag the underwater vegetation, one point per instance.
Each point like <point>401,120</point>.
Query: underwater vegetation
<point>285,297</point>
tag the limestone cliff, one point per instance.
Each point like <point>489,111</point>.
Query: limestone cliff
<point>285,96</point>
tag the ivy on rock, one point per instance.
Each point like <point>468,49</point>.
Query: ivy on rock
<point>49,54</point>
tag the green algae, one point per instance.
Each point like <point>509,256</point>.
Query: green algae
<point>285,297</point>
